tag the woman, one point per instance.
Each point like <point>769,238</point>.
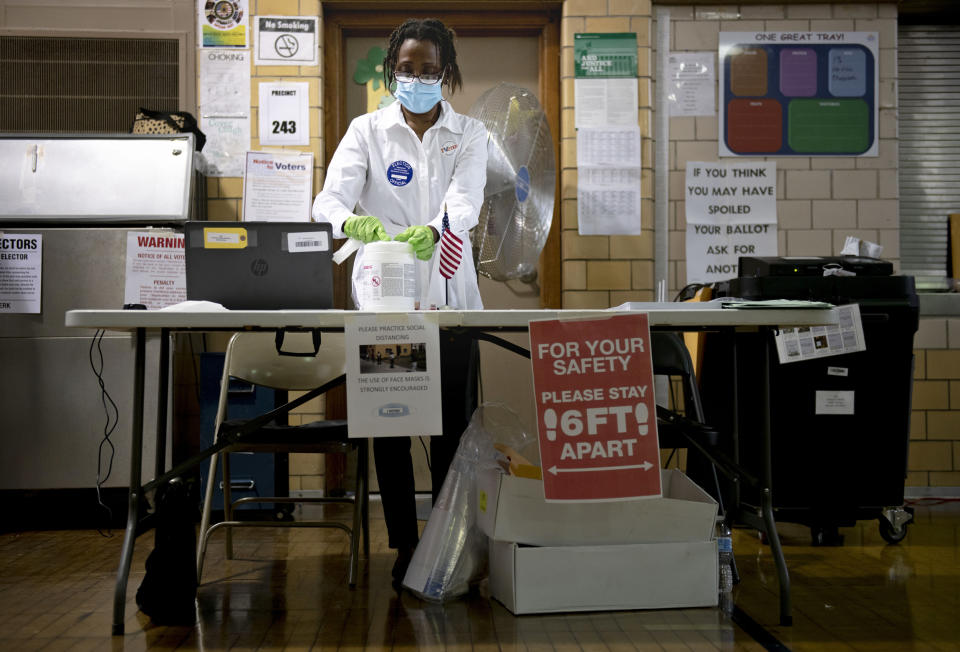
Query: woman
<point>405,167</point>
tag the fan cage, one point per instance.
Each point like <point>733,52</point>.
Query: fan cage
<point>514,220</point>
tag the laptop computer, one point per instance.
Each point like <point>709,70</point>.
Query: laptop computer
<point>260,265</point>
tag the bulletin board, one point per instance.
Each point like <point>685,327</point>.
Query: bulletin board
<point>798,93</point>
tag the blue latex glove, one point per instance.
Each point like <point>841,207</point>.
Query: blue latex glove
<point>365,228</point>
<point>420,238</point>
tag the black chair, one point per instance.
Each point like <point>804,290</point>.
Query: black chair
<point>690,430</point>
<point>671,359</point>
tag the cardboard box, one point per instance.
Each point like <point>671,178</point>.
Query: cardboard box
<point>603,578</point>
<point>513,509</point>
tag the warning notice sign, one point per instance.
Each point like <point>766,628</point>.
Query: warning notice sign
<point>596,412</point>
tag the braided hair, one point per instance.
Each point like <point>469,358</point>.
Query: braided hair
<point>427,29</point>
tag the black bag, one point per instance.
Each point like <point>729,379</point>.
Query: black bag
<point>169,589</point>
<point>163,122</point>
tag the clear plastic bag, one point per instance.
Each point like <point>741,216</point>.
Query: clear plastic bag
<point>452,553</point>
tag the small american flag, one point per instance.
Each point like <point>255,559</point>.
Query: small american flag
<point>451,248</point>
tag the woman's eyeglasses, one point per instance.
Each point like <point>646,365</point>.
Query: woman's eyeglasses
<point>429,78</point>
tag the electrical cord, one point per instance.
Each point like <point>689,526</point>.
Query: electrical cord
<point>112,413</point>
<point>426,453</point>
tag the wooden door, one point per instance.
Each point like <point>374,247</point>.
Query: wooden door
<point>530,34</point>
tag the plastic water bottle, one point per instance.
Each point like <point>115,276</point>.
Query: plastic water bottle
<point>725,559</point>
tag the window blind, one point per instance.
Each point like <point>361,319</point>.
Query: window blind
<point>929,125</point>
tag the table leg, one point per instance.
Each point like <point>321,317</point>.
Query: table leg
<point>162,397</point>
<point>735,422</point>
<point>133,504</point>
<point>766,497</point>
<point>783,577</point>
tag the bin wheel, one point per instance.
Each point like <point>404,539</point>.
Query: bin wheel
<point>890,533</point>
<point>283,513</point>
<point>825,535</point>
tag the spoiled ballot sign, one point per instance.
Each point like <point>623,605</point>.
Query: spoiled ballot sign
<point>731,212</point>
<point>596,414</point>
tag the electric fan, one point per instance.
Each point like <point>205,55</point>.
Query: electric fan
<point>521,176</point>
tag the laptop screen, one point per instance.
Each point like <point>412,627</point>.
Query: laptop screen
<point>260,265</point>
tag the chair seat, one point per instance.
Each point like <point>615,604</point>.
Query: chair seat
<point>671,434</point>
<point>320,436</point>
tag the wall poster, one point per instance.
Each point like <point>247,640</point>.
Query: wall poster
<point>798,93</point>
<point>731,211</point>
<point>393,374</point>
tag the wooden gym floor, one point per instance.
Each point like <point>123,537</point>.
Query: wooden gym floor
<point>286,590</point>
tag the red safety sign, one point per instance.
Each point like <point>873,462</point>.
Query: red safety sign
<point>596,411</point>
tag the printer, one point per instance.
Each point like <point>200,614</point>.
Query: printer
<point>812,265</point>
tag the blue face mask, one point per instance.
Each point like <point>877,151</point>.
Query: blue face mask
<point>417,97</point>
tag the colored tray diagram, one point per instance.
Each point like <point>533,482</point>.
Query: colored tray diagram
<point>803,97</point>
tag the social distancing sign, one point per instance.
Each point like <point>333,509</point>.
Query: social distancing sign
<point>596,412</point>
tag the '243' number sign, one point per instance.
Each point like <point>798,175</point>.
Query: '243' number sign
<point>285,126</point>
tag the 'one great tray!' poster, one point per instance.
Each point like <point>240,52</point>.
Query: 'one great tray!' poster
<point>798,93</point>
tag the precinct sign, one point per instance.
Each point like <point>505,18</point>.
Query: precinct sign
<point>596,412</point>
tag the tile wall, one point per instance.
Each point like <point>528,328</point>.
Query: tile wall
<point>821,200</point>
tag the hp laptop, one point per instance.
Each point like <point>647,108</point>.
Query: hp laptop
<point>260,265</point>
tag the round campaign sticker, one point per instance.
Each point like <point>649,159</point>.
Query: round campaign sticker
<point>523,183</point>
<point>399,173</point>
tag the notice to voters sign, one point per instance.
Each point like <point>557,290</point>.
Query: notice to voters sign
<point>596,411</point>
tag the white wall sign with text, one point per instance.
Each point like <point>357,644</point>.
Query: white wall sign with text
<point>691,84</point>
<point>393,375</point>
<point>731,211</point>
<point>284,113</point>
<point>21,272</point>
<point>278,187</point>
<point>285,40</point>
<point>605,102</point>
<point>155,272</point>
<point>225,109</point>
<point>609,169</point>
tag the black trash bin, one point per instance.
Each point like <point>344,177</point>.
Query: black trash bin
<point>828,470</point>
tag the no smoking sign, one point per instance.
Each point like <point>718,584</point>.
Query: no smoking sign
<point>596,412</point>
<point>286,46</point>
<point>286,41</point>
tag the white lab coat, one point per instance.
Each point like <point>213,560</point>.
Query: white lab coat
<point>383,169</point>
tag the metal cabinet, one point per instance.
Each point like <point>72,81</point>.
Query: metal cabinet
<point>253,474</point>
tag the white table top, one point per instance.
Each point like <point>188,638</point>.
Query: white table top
<point>659,314</point>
